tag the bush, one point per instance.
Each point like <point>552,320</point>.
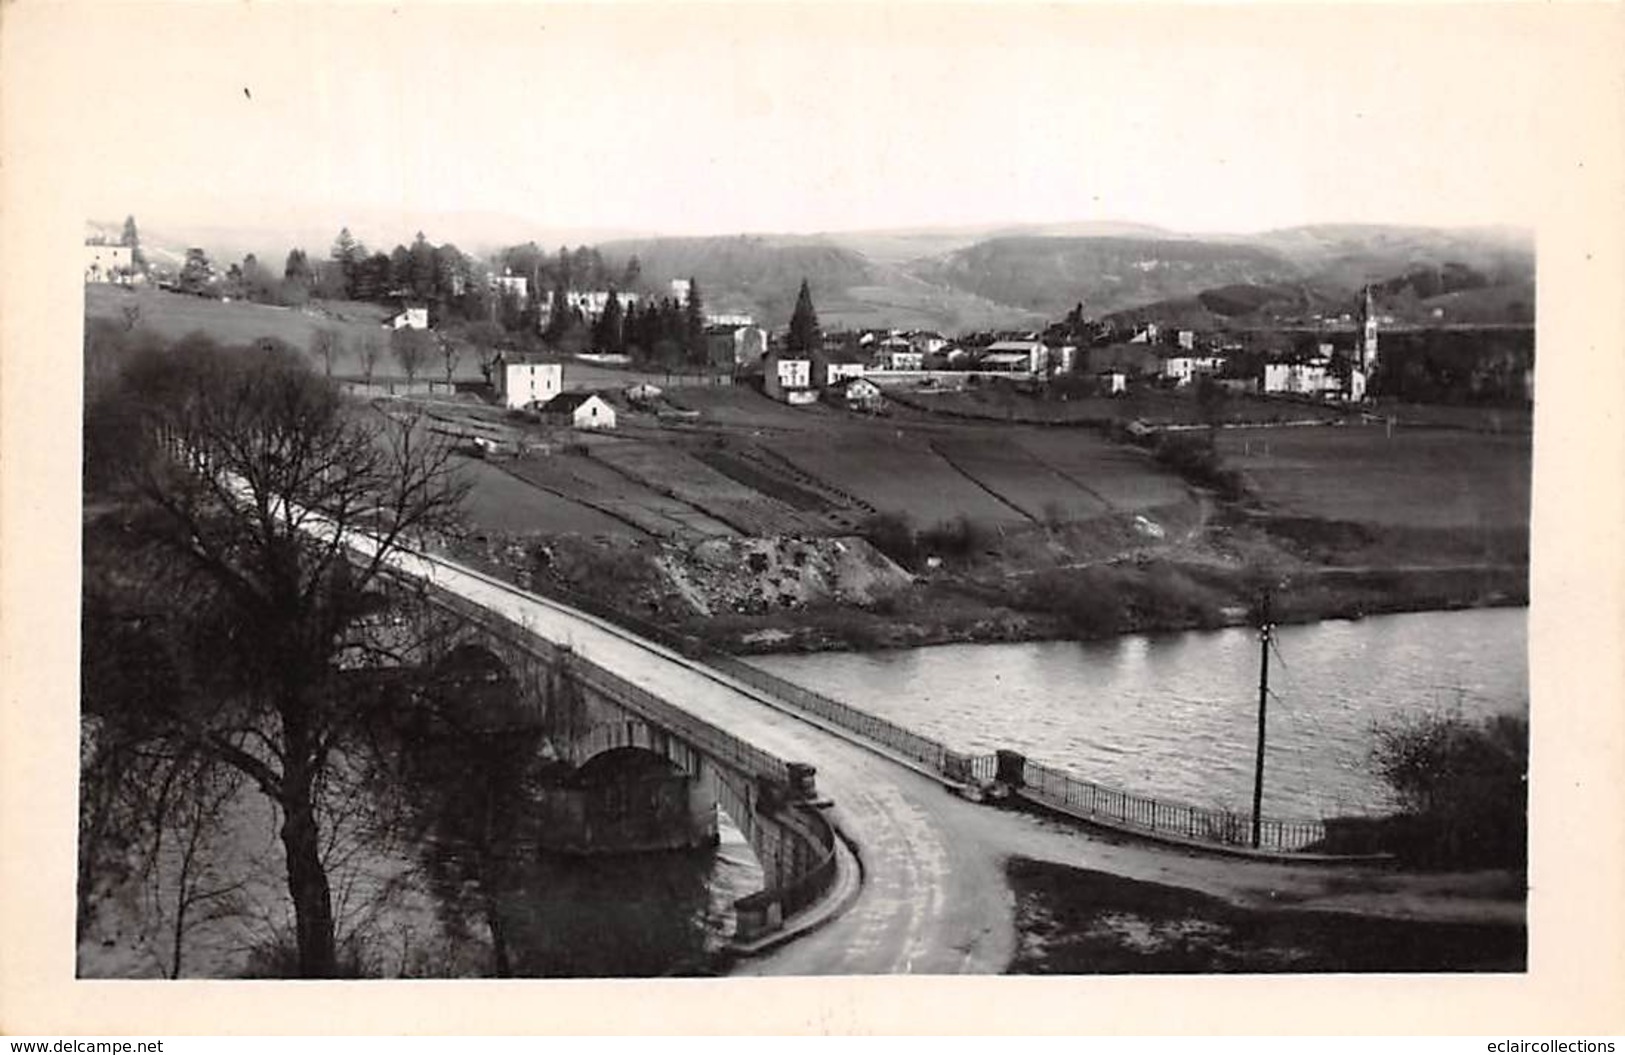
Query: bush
<point>1462,786</point>
<point>959,539</point>
<point>893,535</point>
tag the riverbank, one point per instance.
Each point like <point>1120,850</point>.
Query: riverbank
<point>1025,588</point>
<point>1074,920</point>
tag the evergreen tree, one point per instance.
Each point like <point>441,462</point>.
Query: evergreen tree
<point>132,238</point>
<point>804,334</point>
<point>349,254</point>
<point>421,269</point>
<point>694,325</point>
<point>197,273</point>
<point>607,332</point>
<point>633,274</point>
<point>558,316</point>
<point>297,269</point>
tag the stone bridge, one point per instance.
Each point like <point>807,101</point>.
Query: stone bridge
<point>636,772</point>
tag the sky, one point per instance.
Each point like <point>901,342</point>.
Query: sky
<point>712,119</point>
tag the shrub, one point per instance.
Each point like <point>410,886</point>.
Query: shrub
<point>958,539</point>
<point>1463,787</point>
<point>893,535</point>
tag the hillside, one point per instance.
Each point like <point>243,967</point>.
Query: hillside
<point>1050,275</point>
<point>762,273</point>
<point>1352,255</point>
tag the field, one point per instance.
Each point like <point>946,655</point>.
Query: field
<point>592,483</point>
<point>174,315</point>
<point>501,502</point>
<point>1424,478</point>
<point>896,473</point>
<point>1122,478</point>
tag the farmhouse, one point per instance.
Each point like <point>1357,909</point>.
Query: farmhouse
<point>510,284</point>
<point>590,302</point>
<point>787,377</point>
<point>409,319</point>
<point>842,364</point>
<point>109,263</point>
<point>1112,382</point>
<point>1183,369</point>
<point>855,393</point>
<point>527,380</point>
<point>582,410</point>
<point>1029,357</point>
<point>927,342</point>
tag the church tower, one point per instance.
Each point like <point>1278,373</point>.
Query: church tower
<point>1368,332</point>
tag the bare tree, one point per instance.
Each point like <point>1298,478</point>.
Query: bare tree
<point>411,350</point>
<point>368,351</point>
<point>451,353</point>
<point>255,476</point>
<point>324,346</point>
<point>486,338</point>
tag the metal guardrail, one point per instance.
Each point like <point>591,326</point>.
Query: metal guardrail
<point>1106,805</point>
<point>1156,817</point>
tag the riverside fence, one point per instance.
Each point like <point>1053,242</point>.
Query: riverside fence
<point>1057,788</point>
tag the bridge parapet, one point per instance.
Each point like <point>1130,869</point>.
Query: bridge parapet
<point>773,802</point>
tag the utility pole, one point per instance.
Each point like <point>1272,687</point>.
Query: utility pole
<point>1264,628</point>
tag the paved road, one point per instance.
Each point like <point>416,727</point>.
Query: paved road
<point>935,899</point>
<point>931,903</point>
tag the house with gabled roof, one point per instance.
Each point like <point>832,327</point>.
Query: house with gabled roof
<point>581,410</point>
<point>526,380</point>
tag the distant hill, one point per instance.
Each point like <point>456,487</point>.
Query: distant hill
<point>1353,255</point>
<point>991,276</point>
<point>763,271</point>
<point>1050,275</point>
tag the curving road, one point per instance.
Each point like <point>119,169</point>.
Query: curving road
<point>929,904</point>
<point>934,898</point>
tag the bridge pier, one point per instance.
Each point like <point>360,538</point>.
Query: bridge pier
<point>640,814</point>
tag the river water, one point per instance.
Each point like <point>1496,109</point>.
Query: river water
<point>1175,715</point>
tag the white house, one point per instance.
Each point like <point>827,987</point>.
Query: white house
<point>109,263</point>
<point>1030,357</point>
<point>927,342</point>
<point>509,283</point>
<point>1184,369</point>
<point>409,319</point>
<point>787,377</point>
<point>841,367</point>
<point>855,393</point>
<point>591,302</point>
<point>582,410</point>
<point>523,382</point>
<point>1113,382</point>
<point>1300,379</point>
<point>1187,340</point>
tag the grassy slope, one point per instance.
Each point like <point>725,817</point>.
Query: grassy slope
<point>1420,478</point>
<point>174,315</point>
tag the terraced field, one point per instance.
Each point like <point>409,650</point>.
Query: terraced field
<point>592,483</point>
<point>673,472</point>
<point>1122,478</point>
<point>503,503</point>
<point>1018,478</point>
<point>894,472</point>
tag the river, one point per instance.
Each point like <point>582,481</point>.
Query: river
<point>1175,715</point>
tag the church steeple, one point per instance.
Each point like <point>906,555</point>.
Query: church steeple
<point>1368,331</point>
